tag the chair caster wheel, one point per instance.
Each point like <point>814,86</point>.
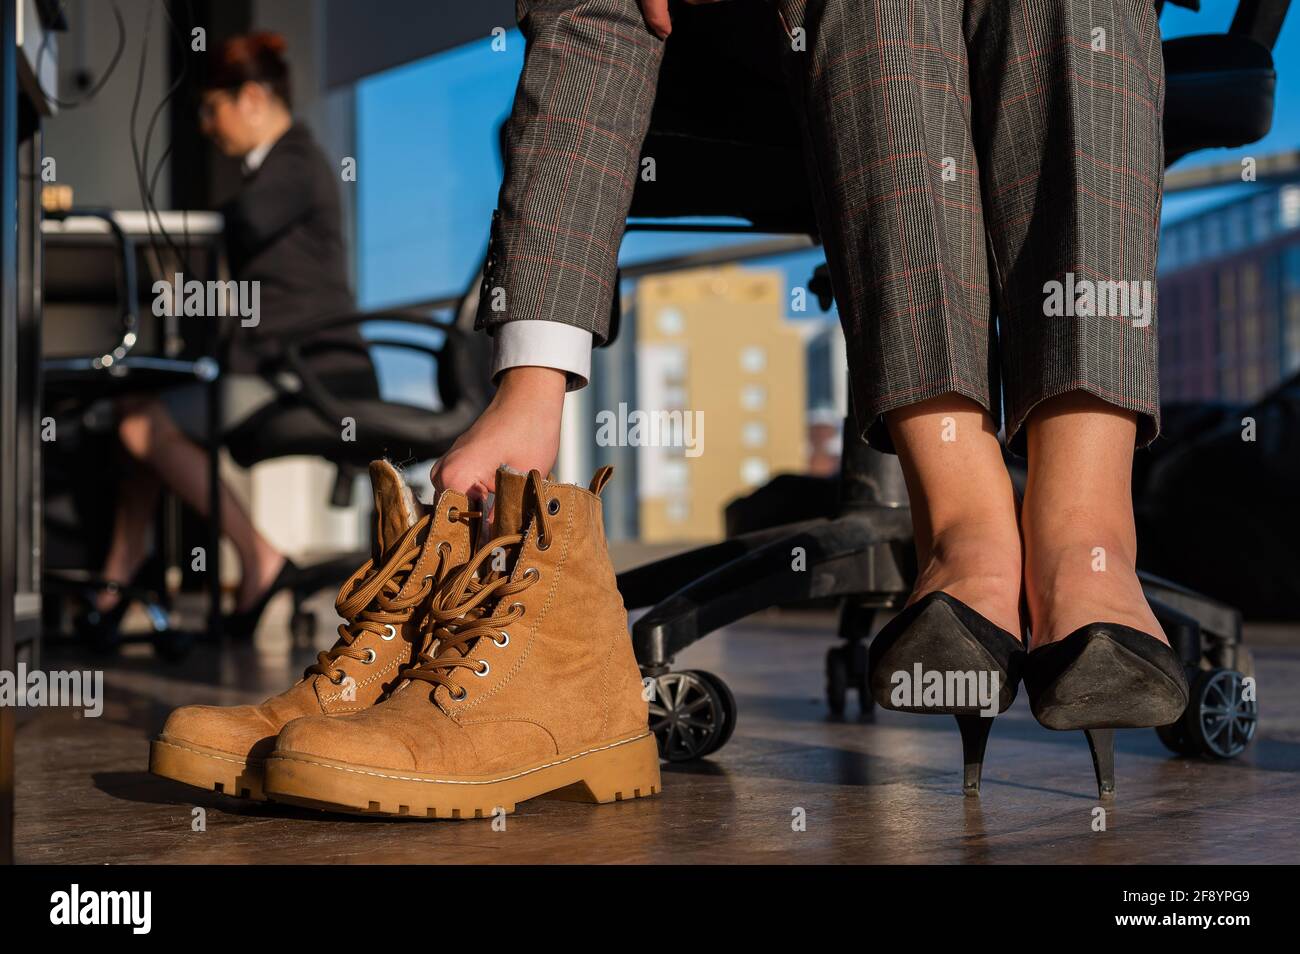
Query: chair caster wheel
<point>728,709</point>
<point>1219,721</point>
<point>692,714</point>
<point>846,669</point>
<point>1175,739</point>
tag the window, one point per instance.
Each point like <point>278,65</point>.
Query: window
<point>753,397</point>
<point>671,322</point>
<point>1262,214</point>
<point>1290,207</point>
<point>753,359</point>
<point>753,471</point>
<point>675,474</point>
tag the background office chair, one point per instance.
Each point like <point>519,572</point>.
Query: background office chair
<point>306,418</point>
<point>309,419</point>
<point>725,139</point>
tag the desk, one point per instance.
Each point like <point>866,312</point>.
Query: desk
<point>102,337</point>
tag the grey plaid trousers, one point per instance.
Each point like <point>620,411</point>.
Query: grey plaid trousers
<point>572,143</point>
<point>981,167</point>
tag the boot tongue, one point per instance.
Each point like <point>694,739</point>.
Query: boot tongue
<point>395,507</point>
<point>508,507</point>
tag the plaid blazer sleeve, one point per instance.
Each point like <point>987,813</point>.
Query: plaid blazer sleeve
<point>572,146</point>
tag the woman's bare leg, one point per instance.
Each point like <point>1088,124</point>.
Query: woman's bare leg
<point>150,436</point>
<point>963,506</point>
<point>1080,537</point>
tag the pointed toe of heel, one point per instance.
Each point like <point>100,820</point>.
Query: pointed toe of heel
<point>1103,677</point>
<point>940,634</point>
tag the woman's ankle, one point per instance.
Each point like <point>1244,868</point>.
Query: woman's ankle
<point>1090,578</point>
<point>257,576</point>
<point>979,563</point>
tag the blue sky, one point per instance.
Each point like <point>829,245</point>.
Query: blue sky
<point>429,169</point>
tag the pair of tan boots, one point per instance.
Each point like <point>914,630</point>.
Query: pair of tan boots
<point>463,681</point>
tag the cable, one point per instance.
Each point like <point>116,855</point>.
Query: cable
<point>140,155</point>
<point>108,72</point>
<point>185,69</point>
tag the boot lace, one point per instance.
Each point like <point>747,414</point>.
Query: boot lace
<point>370,600</point>
<point>467,608</point>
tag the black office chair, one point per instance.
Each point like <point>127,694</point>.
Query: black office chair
<point>306,419</point>
<point>309,419</point>
<point>725,140</point>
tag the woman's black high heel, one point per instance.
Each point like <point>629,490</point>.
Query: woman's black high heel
<point>941,634</point>
<point>243,624</point>
<point>102,629</point>
<point>1103,677</point>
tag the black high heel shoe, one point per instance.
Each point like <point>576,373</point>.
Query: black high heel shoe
<point>102,629</point>
<point>941,634</point>
<point>1103,677</point>
<point>243,624</point>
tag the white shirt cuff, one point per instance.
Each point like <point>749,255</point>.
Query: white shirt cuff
<point>543,344</point>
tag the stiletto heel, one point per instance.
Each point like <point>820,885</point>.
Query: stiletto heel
<point>974,739</point>
<point>941,634</point>
<point>1101,743</point>
<point>1102,677</point>
<point>241,625</point>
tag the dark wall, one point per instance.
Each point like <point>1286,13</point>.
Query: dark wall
<point>362,38</point>
<point>200,176</point>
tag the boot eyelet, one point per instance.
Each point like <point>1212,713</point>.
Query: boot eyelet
<point>519,606</point>
<point>339,681</point>
<point>453,514</point>
<point>371,655</point>
<point>553,506</point>
<point>543,544</point>
<point>389,633</point>
<point>443,548</point>
<point>461,696</point>
<point>503,642</point>
<point>532,573</point>
<point>484,671</point>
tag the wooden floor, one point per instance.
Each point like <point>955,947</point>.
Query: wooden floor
<point>882,792</point>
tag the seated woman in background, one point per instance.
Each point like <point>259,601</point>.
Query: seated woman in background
<point>283,229</point>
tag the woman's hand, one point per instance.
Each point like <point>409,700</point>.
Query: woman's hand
<point>519,428</point>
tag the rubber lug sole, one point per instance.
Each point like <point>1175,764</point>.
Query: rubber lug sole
<point>611,772</point>
<point>206,768</point>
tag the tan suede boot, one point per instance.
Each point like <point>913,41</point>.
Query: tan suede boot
<point>531,686</point>
<point>223,748</point>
